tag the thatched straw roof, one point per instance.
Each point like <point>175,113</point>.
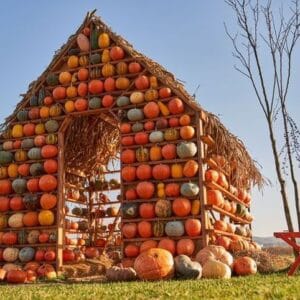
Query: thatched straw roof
<point>227,144</point>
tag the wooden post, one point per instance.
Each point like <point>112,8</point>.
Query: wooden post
<point>201,175</point>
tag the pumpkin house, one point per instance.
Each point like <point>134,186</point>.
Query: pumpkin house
<point>108,152</point>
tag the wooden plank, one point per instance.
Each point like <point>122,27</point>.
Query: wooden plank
<point>29,228</point>
<point>201,176</point>
<point>219,232</point>
<point>171,180</point>
<point>163,130</point>
<point>158,144</point>
<point>198,237</point>
<point>152,162</point>
<point>155,199</point>
<point>228,214</point>
<point>41,245</point>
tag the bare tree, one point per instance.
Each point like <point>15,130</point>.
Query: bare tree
<point>257,28</point>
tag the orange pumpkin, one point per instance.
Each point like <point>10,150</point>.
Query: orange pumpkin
<point>122,83</point>
<point>44,112</point>
<point>59,93</point>
<point>223,241</point>
<point>29,129</point>
<point>127,140</point>
<point>71,91</point>
<point>145,229</point>
<point>190,168</point>
<point>107,101</point>
<point>169,151</point>
<point>181,207</point>
<point>122,68</point>
<point>154,264</point>
<point>172,190</point>
<point>48,100</point>
<point>146,210</point>
<point>185,247</point>
<point>81,104</point>
<point>222,181</point>
<point>161,172</point>
<point>24,169</point>
<point>142,82</point>
<point>39,141</point>
<point>116,53</point>
<point>65,77</point>
<point>192,227</point>
<point>215,197</point>
<point>128,156</point>
<point>109,84</point>
<point>49,151</point>
<point>30,219</point>
<point>48,183</point>
<point>185,120</point>
<point>48,201</point>
<point>149,125</point>
<point>134,67</point>
<point>151,110</point>
<point>125,128</point>
<point>187,132</point>
<point>4,204</point>
<point>173,122</point>
<point>69,106</point>
<point>145,189</point>
<point>168,245</point>
<point>155,153</point>
<point>141,138</point>
<point>131,194</point>
<point>176,106</point>
<point>95,86</point>
<point>128,173</point>
<point>211,175</point>
<point>17,144</point>
<point>164,92</point>
<point>5,187</point>
<point>34,113</point>
<point>129,230</point>
<point>83,74</point>
<point>144,172</point>
<point>82,89</point>
<point>50,166</point>
<point>33,185</point>
<point>131,250</point>
<point>16,203</point>
<point>148,245</point>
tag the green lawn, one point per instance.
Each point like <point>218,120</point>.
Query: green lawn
<point>277,286</point>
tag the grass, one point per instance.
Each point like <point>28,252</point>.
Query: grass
<point>276,286</point>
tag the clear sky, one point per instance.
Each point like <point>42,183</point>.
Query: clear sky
<point>187,37</point>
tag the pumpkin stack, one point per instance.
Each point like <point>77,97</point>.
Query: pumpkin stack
<point>28,185</point>
<point>159,171</point>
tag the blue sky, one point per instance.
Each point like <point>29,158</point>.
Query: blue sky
<point>186,37</point>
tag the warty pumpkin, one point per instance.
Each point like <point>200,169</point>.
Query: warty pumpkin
<point>151,95</point>
<point>171,134</point>
<point>142,154</point>
<point>154,264</point>
<point>163,208</point>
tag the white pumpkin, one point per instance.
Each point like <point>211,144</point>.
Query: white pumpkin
<point>216,269</point>
<point>156,137</point>
<point>16,220</point>
<point>83,42</point>
<point>137,97</point>
<point>10,254</point>
<point>216,253</point>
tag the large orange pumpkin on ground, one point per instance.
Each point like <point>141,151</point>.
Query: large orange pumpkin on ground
<point>244,266</point>
<point>48,183</point>
<point>181,207</point>
<point>167,244</point>
<point>154,264</point>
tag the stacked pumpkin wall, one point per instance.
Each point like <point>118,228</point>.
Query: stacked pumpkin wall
<point>162,177</point>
